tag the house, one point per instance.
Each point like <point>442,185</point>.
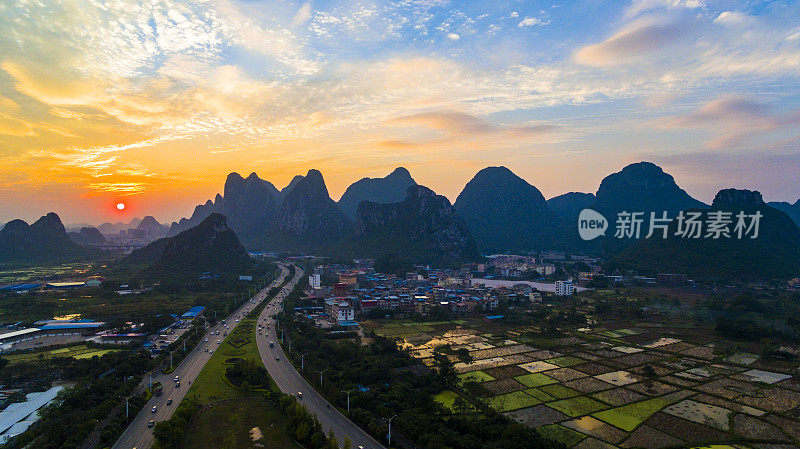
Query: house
<point>564,288</point>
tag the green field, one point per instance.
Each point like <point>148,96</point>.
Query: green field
<point>628,417</point>
<point>535,380</point>
<point>77,351</point>
<point>230,424</point>
<point>511,401</point>
<point>562,434</point>
<point>229,415</point>
<point>475,376</point>
<point>577,406</point>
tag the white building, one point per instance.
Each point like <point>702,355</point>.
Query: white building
<point>315,281</point>
<point>564,288</point>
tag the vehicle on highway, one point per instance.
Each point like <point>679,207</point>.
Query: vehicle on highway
<point>151,423</point>
<point>177,378</point>
<point>169,401</point>
<point>206,340</point>
<point>218,342</point>
<point>277,357</point>
<point>300,394</point>
<point>271,344</point>
<point>177,384</point>
<point>154,409</point>
<point>206,349</point>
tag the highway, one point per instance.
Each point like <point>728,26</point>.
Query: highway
<point>291,382</point>
<point>138,435</point>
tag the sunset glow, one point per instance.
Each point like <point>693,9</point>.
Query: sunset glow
<point>161,100</point>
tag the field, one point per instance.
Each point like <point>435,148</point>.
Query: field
<point>77,351</point>
<point>626,385</point>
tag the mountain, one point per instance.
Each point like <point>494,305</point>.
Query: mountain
<point>640,187</point>
<point>309,218</point>
<point>114,228</point>
<point>792,210</point>
<point>424,227</point>
<point>285,191</point>
<point>569,205</point>
<point>87,236</point>
<point>506,213</point>
<point>150,225</point>
<point>210,246</point>
<point>251,205</point>
<point>44,240</point>
<point>773,254</point>
<point>389,189</point>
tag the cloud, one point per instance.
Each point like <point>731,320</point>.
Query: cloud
<point>15,127</point>
<point>453,36</point>
<point>530,21</point>
<point>632,43</point>
<point>735,120</point>
<point>732,18</point>
<point>460,123</point>
<point>303,14</point>
<point>638,7</point>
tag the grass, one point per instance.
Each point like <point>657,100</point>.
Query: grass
<point>565,361</point>
<point>229,425</point>
<point>539,394</point>
<point>80,351</point>
<point>210,385</point>
<point>475,376</point>
<point>511,401</point>
<point>447,398</point>
<point>577,406</point>
<point>559,391</point>
<point>561,434</point>
<point>628,417</point>
<point>535,380</point>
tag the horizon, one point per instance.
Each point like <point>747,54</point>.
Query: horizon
<point>155,104</point>
<point>125,216</point>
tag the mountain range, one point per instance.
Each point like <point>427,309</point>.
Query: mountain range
<point>792,210</point>
<point>44,240</point>
<point>87,236</point>
<point>389,189</point>
<point>115,228</point>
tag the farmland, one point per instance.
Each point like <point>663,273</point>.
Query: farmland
<point>619,385</point>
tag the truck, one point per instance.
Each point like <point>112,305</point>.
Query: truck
<point>157,389</point>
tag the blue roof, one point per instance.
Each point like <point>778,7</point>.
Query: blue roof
<point>71,326</point>
<point>494,317</point>
<point>15,287</point>
<point>193,312</point>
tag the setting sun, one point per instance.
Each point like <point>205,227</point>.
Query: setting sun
<point>120,206</point>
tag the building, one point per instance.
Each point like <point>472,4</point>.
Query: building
<point>17,417</point>
<point>192,314</point>
<point>339,311</point>
<point>672,279</point>
<point>315,281</point>
<point>564,288</point>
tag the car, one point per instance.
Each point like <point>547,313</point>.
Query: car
<point>277,357</point>
<point>300,394</point>
<point>169,401</point>
<point>177,384</point>
<point>210,351</point>
<point>177,378</point>
<point>206,340</point>
<point>218,342</point>
<point>206,349</point>
<point>154,409</point>
<point>151,423</point>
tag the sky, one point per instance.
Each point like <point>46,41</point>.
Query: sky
<point>153,103</point>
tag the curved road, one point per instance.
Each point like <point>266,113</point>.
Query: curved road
<point>291,382</point>
<point>138,435</point>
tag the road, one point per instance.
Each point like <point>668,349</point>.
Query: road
<point>291,382</point>
<point>138,435</point>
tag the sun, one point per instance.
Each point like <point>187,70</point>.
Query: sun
<point>120,206</point>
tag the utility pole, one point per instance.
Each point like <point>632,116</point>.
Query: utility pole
<point>126,405</point>
<point>170,360</point>
<point>348,399</point>
<point>390,430</point>
<point>320,375</point>
<point>302,360</point>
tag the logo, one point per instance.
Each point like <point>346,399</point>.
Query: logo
<point>591,224</point>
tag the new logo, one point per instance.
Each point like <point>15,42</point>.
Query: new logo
<point>591,224</point>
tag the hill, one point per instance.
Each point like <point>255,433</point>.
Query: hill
<point>792,210</point>
<point>424,227</point>
<point>210,246</point>
<point>773,254</point>
<point>506,213</point>
<point>389,189</point>
<point>45,240</point>
<point>87,236</point>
